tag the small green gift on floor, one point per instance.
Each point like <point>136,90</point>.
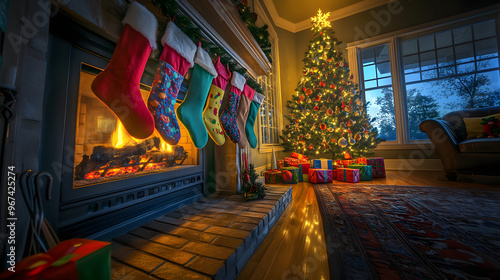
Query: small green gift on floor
<point>365,171</point>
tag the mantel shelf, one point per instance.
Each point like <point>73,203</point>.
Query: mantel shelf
<point>220,20</point>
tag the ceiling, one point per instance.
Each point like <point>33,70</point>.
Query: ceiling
<point>298,10</point>
<point>294,15</point>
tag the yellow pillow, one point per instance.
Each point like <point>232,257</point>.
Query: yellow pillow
<point>474,127</point>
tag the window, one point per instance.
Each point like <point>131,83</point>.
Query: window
<point>268,112</point>
<point>428,75</point>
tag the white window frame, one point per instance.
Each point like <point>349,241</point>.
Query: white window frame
<point>394,40</point>
<point>274,82</point>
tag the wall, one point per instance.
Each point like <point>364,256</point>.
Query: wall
<point>366,25</point>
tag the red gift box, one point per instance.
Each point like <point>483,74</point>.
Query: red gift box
<point>320,176</point>
<point>361,160</point>
<point>347,162</point>
<point>348,175</point>
<point>288,161</point>
<point>272,176</point>
<point>299,156</point>
<point>80,259</point>
<point>378,167</point>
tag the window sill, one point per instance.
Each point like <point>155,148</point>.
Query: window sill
<point>413,145</point>
<point>268,148</point>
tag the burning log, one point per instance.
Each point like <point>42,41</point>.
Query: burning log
<point>102,154</point>
<point>108,161</point>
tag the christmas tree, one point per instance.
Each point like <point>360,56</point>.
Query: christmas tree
<point>327,115</point>
<point>251,189</point>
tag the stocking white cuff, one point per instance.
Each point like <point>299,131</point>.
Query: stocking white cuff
<point>238,80</point>
<point>142,21</point>
<point>177,40</point>
<point>203,59</point>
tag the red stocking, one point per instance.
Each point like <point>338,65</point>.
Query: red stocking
<point>118,85</point>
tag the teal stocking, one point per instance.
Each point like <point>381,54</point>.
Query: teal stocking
<point>252,115</point>
<point>190,112</point>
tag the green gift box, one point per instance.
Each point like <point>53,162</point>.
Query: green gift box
<point>365,171</point>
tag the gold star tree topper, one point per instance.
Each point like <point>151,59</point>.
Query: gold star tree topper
<point>321,20</point>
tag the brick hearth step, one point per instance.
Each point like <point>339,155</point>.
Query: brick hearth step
<point>209,239</point>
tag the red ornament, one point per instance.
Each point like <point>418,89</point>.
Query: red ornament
<point>304,89</point>
<point>332,86</point>
<point>341,88</point>
<point>287,176</point>
<point>347,155</point>
<point>343,105</point>
<point>317,98</point>
<point>329,112</point>
<point>321,33</point>
<point>321,84</point>
<point>309,92</point>
<point>337,65</point>
<point>301,136</point>
<point>316,108</point>
<point>301,98</point>
<point>333,140</point>
<point>322,126</point>
<point>335,76</point>
<point>311,147</point>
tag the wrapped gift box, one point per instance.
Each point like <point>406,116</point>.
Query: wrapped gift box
<point>348,175</point>
<point>303,171</point>
<point>293,179</point>
<point>288,161</point>
<point>378,167</point>
<point>273,176</point>
<point>320,176</point>
<point>299,156</point>
<point>79,259</point>
<point>347,162</point>
<point>321,163</point>
<point>361,160</point>
<point>365,171</point>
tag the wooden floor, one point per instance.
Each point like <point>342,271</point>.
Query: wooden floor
<point>295,247</point>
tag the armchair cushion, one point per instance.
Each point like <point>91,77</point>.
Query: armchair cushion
<point>480,145</point>
<point>474,127</point>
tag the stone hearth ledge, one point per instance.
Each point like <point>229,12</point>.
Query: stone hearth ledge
<point>212,238</point>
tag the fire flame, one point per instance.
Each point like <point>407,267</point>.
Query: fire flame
<point>121,138</point>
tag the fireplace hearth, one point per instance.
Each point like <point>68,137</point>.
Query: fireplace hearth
<point>106,182</point>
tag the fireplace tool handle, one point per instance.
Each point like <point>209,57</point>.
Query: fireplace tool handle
<point>43,235</point>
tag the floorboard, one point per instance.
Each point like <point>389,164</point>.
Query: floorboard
<point>296,249</point>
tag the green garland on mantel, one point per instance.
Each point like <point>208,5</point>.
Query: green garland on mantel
<point>169,9</point>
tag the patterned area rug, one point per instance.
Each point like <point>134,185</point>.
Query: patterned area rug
<point>411,232</point>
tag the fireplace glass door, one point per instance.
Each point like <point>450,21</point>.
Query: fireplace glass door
<point>104,151</point>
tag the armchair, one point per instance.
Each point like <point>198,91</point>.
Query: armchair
<point>459,154</point>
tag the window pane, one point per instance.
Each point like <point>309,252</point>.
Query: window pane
<point>368,56</point>
<point>384,70</point>
<point>382,107</point>
<point>422,104</point>
<point>385,82</point>
<point>426,43</point>
<point>411,63</point>
<point>443,39</point>
<point>412,77</point>
<point>369,72</point>
<point>445,57</point>
<point>487,64</point>
<point>486,48</point>
<point>427,75</point>
<point>464,53</point>
<point>466,68</point>
<point>484,30</point>
<point>428,60</point>
<point>371,84</point>
<point>462,35</point>
<point>409,47</point>
<point>381,53</point>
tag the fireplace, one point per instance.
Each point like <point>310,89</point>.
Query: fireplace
<point>106,182</point>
